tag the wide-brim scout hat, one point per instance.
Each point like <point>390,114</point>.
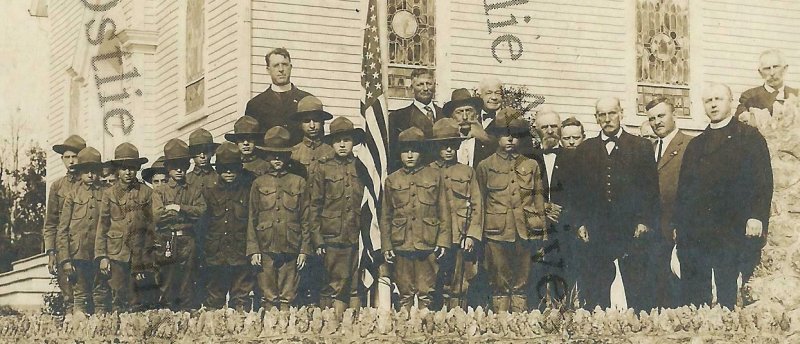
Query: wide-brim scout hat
<point>342,126</point>
<point>176,149</point>
<point>73,143</point>
<point>276,140</point>
<point>310,107</point>
<point>200,141</point>
<point>411,138</point>
<point>509,122</point>
<point>155,168</point>
<point>228,154</point>
<point>461,97</point>
<point>88,158</point>
<point>245,127</point>
<point>126,154</point>
<point>446,130</point>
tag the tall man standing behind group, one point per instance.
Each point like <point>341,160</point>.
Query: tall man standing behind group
<point>421,113</point>
<point>273,107</point>
<point>723,203</point>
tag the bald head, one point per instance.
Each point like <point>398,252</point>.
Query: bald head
<point>491,91</point>
<point>608,113</point>
<point>548,125</point>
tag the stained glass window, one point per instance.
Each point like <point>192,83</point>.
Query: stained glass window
<point>662,52</point>
<point>412,42</point>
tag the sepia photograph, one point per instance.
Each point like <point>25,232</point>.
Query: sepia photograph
<point>400,171</point>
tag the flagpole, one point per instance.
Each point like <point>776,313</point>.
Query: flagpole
<point>384,289</point>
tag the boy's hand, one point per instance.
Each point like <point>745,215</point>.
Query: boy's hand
<point>51,263</point>
<point>321,251</point>
<point>68,269</point>
<point>105,266</point>
<point>174,207</point>
<point>301,261</point>
<point>468,244</point>
<point>439,252</point>
<point>255,260</point>
<point>388,256</point>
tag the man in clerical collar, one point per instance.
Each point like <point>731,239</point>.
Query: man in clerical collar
<point>726,167</point>
<point>772,67</point>
<point>273,107</point>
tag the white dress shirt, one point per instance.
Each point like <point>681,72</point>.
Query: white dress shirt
<point>421,108</point>
<point>781,91</point>
<point>665,143</point>
<point>466,151</point>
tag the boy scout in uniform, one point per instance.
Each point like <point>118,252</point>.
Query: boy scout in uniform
<point>415,222</point>
<point>311,118</point>
<point>226,239</point>
<point>337,189</point>
<point>246,134</point>
<point>513,214</point>
<point>177,206</point>
<point>55,202</point>
<point>202,148</point>
<point>125,234</point>
<point>459,265</point>
<point>77,230</point>
<point>156,174</point>
<point>278,238</point>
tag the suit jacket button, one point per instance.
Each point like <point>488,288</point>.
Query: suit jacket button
<point>413,218</point>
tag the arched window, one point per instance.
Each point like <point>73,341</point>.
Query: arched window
<point>412,42</point>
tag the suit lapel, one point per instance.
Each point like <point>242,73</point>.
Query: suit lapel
<point>673,148</point>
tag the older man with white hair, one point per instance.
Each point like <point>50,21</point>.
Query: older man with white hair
<point>772,67</point>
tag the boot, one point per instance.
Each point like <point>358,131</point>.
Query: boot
<point>339,307</point>
<point>325,302</point>
<point>453,303</point>
<point>519,303</point>
<point>501,304</point>
<point>355,302</point>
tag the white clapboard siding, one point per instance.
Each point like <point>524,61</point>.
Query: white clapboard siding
<point>65,32</point>
<point>168,93</point>
<point>324,39</point>
<point>573,51</point>
<point>735,32</point>
<point>223,44</point>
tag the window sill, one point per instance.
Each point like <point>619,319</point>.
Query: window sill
<point>192,118</point>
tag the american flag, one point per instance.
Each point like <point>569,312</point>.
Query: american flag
<point>374,110</point>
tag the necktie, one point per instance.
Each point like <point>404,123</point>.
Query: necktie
<point>660,149</point>
<point>429,112</point>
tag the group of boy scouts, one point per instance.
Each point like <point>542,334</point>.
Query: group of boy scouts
<point>469,206</point>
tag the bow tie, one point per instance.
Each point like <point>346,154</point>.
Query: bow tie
<point>610,139</point>
<point>549,151</point>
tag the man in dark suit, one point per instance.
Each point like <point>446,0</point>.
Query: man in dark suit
<point>421,113</point>
<point>273,107</point>
<point>617,213</point>
<point>772,68</point>
<point>669,148</point>
<point>723,203</point>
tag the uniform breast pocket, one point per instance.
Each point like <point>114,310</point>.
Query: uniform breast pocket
<point>267,198</point>
<point>427,192</point>
<point>460,187</point>
<point>264,232</point>
<point>534,219</point>
<point>116,241</point>
<point>401,195</point>
<point>334,187</point>
<point>116,211</point>
<point>80,207</point>
<point>524,176</point>
<point>241,211</point>
<point>218,209</point>
<point>331,223</point>
<point>290,199</point>
<point>497,181</point>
